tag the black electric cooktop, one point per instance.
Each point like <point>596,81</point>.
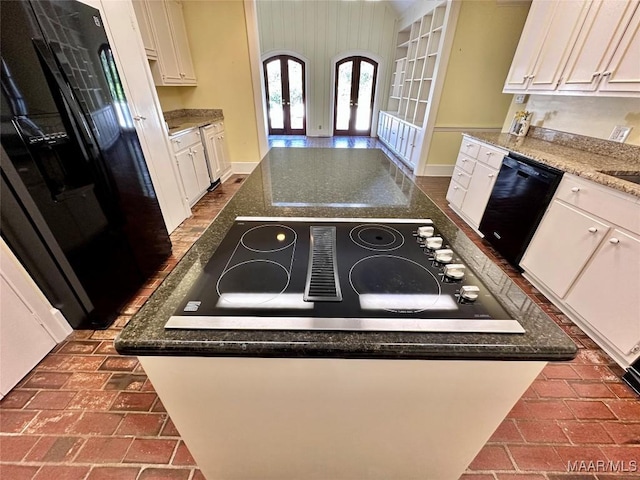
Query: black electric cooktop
<point>339,274</point>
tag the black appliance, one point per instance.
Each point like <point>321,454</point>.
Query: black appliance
<point>78,206</point>
<point>339,274</point>
<point>519,198</point>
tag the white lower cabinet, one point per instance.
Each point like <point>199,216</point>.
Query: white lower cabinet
<point>607,294</point>
<point>562,245</point>
<point>473,178</point>
<point>585,257</point>
<point>192,164</point>
<point>400,136</point>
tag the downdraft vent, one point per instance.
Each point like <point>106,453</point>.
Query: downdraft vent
<point>322,274</point>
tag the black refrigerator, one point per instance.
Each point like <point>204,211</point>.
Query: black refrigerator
<point>77,204</point>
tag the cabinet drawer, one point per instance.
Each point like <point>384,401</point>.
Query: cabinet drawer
<point>469,147</point>
<point>491,156</point>
<point>186,139</point>
<point>465,163</point>
<point>611,205</point>
<point>456,194</point>
<point>217,127</point>
<point>461,177</point>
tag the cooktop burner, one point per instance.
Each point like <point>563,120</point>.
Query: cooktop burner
<point>339,274</point>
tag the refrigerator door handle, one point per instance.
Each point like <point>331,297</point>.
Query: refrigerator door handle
<point>71,103</point>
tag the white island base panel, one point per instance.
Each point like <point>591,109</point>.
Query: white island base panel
<point>337,419</point>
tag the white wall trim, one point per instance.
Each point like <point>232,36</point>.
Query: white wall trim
<point>438,171</point>
<point>243,168</point>
<point>379,75</point>
<point>450,22</point>
<point>253,41</point>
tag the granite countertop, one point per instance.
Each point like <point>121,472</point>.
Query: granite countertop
<point>180,120</point>
<point>338,183</point>
<point>584,163</point>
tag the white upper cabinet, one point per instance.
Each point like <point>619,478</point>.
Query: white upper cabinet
<point>600,35</point>
<point>146,31</point>
<point>174,65</point>
<point>578,47</point>
<point>623,71</point>
<point>533,35</point>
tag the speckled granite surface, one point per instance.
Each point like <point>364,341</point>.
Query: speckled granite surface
<point>180,120</point>
<point>338,183</point>
<point>582,162</point>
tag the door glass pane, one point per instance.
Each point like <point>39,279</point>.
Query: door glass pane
<point>343,95</point>
<point>295,95</point>
<point>274,85</point>
<point>365,93</point>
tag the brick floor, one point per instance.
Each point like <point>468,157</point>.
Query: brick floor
<point>87,413</point>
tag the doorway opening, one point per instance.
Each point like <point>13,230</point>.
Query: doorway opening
<point>285,90</point>
<point>355,87</point>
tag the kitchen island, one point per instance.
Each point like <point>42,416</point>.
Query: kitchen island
<point>337,404</point>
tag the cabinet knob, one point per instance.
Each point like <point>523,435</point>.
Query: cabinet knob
<point>489,154</point>
<point>593,229</point>
<point>139,117</point>
<point>596,74</point>
<point>178,141</point>
<point>575,189</point>
<point>455,187</point>
<point>614,241</point>
<point>490,175</point>
<point>459,174</point>
<point>463,160</point>
<point>607,73</point>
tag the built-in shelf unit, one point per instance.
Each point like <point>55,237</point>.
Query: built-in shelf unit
<point>418,47</point>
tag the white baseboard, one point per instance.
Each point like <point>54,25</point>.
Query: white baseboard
<point>243,168</point>
<point>438,170</point>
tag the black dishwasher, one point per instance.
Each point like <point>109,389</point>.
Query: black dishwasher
<point>517,203</point>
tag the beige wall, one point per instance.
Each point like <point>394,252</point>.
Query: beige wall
<point>320,30</point>
<point>590,116</point>
<point>485,40</point>
<point>219,47</point>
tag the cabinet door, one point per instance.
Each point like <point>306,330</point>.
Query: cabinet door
<point>568,17</point>
<point>455,194</point>
<point>607,294</point>
<point>623,72</point>
<point>181,43</point>
<point>214,162</point>
<point>533,34</point>
<point>411,143</point>
<point>478,193</point>
<point>200,167</point>
<point>188,175</point>
<point>561,246</point>
<point>167,55</point>
<point>221,152</point>
<point>600,35</point>
<point>146,31</point>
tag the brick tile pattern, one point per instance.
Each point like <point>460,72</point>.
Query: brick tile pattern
<point>86,412</point>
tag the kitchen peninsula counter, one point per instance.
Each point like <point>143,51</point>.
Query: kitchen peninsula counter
<point>583,156</point>
<point>336,404</point>
<point>371,186</point>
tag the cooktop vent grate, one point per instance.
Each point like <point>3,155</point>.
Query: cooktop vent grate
<point>322,274</point>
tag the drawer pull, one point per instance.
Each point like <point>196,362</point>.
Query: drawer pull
<point>614,241</point>
<point>593,229</point>
<point>489,154</point>
<point>490,175</point>
<point>575,189</point>
<point>463,160</point>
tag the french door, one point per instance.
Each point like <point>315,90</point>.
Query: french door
<point>354,92</point>
<point>285,90</point>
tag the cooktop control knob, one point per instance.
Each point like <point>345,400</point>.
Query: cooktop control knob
<point>469,293</point>
<point>426,231</point>
<point>433,243</point>
<point>443,255</point>
<point>454,271</point>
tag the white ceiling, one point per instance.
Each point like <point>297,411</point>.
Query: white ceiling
<point>399,6</point>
